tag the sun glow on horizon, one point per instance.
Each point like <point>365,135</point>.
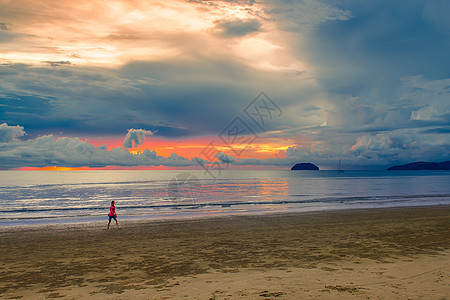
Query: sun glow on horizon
<point>189,148</point>
<point>192,147</point>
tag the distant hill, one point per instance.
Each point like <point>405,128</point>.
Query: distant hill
<point>305,166</point>
<point>422,165</point>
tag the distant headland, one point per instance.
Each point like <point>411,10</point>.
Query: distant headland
<point>305,166</point>
<point>422,165</point>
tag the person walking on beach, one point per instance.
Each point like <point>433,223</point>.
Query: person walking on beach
<point>112,214</point>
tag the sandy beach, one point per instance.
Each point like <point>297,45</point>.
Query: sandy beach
<point>397,253</point>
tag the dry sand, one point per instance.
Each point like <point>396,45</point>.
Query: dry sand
<point>360,254</point>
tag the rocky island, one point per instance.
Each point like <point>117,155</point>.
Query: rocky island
<point>305,166</point>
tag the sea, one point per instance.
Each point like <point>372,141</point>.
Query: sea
<point>59,197</point>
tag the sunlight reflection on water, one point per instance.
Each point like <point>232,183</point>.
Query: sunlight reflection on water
<point>85,195</point>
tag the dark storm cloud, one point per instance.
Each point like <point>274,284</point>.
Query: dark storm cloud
<point>73,99</point>
<point>384,41</point>
<point>177,98</point>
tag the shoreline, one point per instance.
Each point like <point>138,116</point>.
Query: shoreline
<point>358,254</point>
<point>97,221</point>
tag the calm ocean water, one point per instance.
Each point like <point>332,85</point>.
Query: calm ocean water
<point>44,197</point>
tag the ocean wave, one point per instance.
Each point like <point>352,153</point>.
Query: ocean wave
<point>189,203</point>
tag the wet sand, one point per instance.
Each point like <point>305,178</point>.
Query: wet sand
<point>397,253</point>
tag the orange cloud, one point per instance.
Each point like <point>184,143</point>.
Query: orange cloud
<point>113,33</point>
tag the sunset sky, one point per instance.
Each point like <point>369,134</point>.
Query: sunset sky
<point>157,84</point>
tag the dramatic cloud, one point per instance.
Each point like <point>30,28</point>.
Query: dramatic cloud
<point>364,82</point>
<point>72,152</point>
<point>400,147</point>
<point>10,133</point>
<point>135,137</point>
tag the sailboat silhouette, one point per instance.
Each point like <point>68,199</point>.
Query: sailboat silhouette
<point>339,170</point>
